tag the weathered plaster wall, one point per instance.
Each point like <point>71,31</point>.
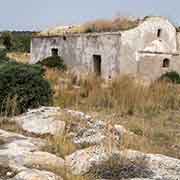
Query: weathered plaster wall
<point>120,52</point>
<point>152,65</point>
<point>178,41</point>
<point>78,50</point>
<point>139,38</point>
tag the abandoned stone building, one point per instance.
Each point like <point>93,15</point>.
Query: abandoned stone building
<point>150,49</point>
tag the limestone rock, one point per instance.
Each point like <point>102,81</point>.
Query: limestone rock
<point>120,130</point>
<point>163,167</point>
<point>93,135</point>
<point>42,121</point>
<point>80,162</point>
<point>14,146</point>
<point>89,137</point>
<point>42,160</point>
<point>79,114</point>
<point>18,153</point>
<point>33,174</point>
<point>152,166</point>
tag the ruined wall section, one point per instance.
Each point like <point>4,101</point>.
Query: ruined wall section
<point>139,38</point>
<point>178,41</point>
<point>78,50</point>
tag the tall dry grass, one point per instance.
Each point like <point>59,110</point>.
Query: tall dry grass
<point>116,24</point>
<point>122,94</point>
<point>150,112</point>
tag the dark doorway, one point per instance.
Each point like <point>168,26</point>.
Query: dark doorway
<point>97,64</point>
<point>159,33</point>
<point>166,63</point>
<point>54,52</point>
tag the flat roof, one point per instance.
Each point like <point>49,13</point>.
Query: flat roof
<point>118,33</point>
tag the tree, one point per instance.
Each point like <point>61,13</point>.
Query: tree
<point>7,40</point>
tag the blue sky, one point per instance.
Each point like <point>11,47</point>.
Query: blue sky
<point>40,14</point>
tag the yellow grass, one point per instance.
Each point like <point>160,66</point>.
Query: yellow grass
<point>100,25</point>
<point>150,112</point>
<point>122,94</point>
<point>117,24</point>
<point>19,56</point>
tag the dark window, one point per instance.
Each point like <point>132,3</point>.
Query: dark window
<point>97,64</point>
<point>64,38</point>
<point>159,32</point>
<point>166,63</point>
<point>54,52</point>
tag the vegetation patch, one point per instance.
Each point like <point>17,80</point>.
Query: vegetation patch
<point>53,62</point>
<point>121,95</point>
<point>4,173</point>
<point>171,76</point>
<point>122,169</point>
<point>117,24</point>
<point>16,41</point>
<point>22,87</point>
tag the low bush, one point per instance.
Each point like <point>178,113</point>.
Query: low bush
<point>3,57</point>
<point>22,87</point>
<point>54,62</point>
<point>171,76</point>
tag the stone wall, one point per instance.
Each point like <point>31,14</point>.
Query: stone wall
<point>121,52</point>
<point>139,38</point>
<point>78,50</point>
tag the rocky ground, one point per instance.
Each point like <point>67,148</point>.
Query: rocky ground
<point>27,151</point>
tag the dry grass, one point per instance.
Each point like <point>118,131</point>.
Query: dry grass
<point>117,24</point>
<point>150,112</point>
<point>122,168</point>
<point>121,95</point>
<point>19,57</point>
<point>159,134</point>
<point>60,145</point>
<point>102,25</point>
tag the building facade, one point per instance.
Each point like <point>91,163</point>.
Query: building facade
<point>150,49</point>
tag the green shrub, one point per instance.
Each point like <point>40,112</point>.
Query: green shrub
<point>21,43</point>
<point>172,76</point>
<point>18,41</point>
<point>54,62</point>
<point>2,56</point>
<point>22,87</point>
<point>7,40</point>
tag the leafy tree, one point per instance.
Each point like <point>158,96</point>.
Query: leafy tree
<point>21,42</point>
<point>7,40</point>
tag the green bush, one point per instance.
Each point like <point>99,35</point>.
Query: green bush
<point>18,41</point>
<point>54,62</point>
<point>3,57</point>
<point>21,43</point>
<point>22,87</point>
<point>7,40</point>
<point>171,76</point>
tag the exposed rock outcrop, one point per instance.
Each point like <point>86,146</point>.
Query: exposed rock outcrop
<point>22,158</point>
<point>42,121</point>
<point>128,163</point>
<point>34,174</point>
<point>18,153</point>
